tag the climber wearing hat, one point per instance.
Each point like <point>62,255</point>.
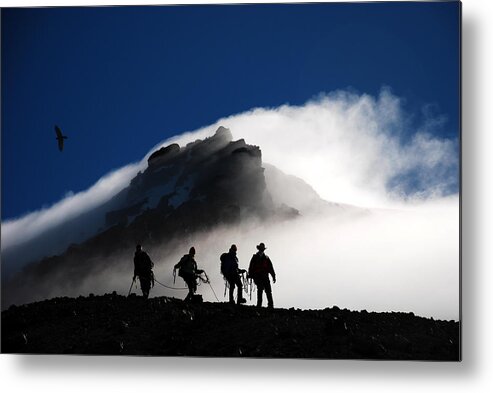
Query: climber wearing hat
<point>259,270</point>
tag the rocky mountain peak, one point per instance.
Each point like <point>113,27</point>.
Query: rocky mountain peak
<point>216,171</point>
<point>163,154</point>
<point>224,134</point>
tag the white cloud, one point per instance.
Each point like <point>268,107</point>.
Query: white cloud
<point>35,224</point>
<point>349,147</point>
<point>390,260</point>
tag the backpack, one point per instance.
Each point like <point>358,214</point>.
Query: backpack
<point>258,266</point>
<point>186,266</point>
<point>227,264</point>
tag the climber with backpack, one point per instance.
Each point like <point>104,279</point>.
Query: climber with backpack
<point>259,270</point>
<point>143,269</point>
<point>231,273</point>
<point>189,272</point>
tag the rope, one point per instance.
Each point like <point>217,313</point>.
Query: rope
<point>244,281</point>
<point>247,285</point>
<point>207,281</point>
<point>164,285</point>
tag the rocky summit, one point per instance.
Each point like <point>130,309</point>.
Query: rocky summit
<point>116,325</point>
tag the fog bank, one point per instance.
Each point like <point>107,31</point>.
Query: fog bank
<point>384,260</point>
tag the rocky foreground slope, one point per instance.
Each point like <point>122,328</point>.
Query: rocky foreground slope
<point>115,325</point>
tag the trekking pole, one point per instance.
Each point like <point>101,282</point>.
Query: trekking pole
<point>131,285</point>
<point>225,286</point>
<point>174,276</point>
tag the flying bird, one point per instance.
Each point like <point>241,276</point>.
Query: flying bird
<point>59,137</point>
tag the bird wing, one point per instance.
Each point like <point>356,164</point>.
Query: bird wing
<point>59,134</point>
<point>60,143</point>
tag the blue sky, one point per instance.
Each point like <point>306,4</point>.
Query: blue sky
<point>119,80</point>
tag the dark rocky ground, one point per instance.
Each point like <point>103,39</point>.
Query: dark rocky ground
<point>116,325</point>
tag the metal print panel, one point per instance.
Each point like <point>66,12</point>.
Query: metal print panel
<point>270,180</point>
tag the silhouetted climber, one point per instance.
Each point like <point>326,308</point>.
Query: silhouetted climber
<point>59,137</point>
<point>143,269</point>
<point>189,272</point>
<point>259,270</point>
<point>231,272</point>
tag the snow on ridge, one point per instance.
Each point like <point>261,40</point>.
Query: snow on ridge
<point>182,193</point>
<point>155,194</point>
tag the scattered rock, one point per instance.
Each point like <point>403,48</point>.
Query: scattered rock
<point>114,324</point>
